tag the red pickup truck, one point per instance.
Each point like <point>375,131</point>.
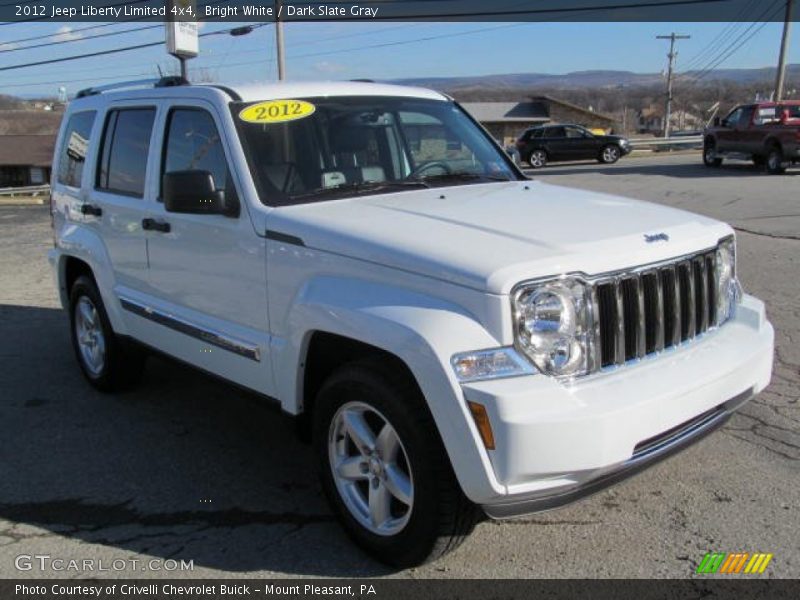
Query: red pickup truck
<point>768,133</point>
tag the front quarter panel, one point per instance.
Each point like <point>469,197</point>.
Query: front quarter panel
<point>421,329</point>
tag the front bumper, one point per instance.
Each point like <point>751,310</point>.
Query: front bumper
<point>556,442</point>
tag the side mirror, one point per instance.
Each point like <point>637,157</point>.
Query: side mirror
<point>717,121</point>
<point>194,192</point>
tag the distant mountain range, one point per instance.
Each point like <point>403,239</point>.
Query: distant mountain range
<point>591,79</point>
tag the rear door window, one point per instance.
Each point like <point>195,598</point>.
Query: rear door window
<point>574,133</point>
<point>74,148</point>
<point>126,146</point>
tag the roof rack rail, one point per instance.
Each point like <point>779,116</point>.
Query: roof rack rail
<point>363,80</point>
<point>171,81</point>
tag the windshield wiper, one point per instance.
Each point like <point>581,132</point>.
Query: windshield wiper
<point>462,176</point>
<point>359,187</point>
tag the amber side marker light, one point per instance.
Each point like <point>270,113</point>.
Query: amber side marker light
<point>481,418</point>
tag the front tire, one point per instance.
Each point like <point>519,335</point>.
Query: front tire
<point>537,159</point>
<point>710,158</point>
<point>384,469</point>
<point>775,164</point>
<point>610,154</point>
<point>107,362</point>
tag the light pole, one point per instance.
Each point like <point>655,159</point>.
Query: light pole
<point>668,105</point>
<point>279,42</point>
<point>787,27</point>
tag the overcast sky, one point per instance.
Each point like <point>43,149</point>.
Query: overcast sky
<point>385,51</point>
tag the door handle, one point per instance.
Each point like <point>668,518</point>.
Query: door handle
<point>153,225</point>
<point>91,209</point>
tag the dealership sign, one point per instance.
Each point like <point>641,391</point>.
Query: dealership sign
<point>182,40</point>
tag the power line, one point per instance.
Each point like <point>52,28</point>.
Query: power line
<point>46,18</point>
<point>402,42</point>
<point>50,35</point>
<point>541,11</point>
<point>685,73</point>
<point>81,38</point>
<point>145,64</point>
<point>72,31</point>
<point>371,46</point>
<point>722,36</point>
<point>387,44</point>
<point>764,19</point>
<point>112,51</point>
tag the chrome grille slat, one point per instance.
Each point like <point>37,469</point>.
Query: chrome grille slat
<point>677,328</point>
<point>711,266</point>
<point>687,301</point>
<point>641,327</point>
<point>595,351</point>
<point>702,293</point>
<point>659,344</point>
<point>619,344</point>
<point>648,310</point>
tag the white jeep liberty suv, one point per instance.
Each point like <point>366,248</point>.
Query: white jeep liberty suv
<point>460,340</point>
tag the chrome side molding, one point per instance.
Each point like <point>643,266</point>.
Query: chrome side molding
<point>215,338</point>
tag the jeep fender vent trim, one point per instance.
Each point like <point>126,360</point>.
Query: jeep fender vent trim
<point>277,236</point>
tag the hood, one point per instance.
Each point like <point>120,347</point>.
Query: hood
<point>613,138</point>
<point>491,236</point>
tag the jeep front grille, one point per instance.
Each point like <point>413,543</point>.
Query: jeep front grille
<point>640,312</point>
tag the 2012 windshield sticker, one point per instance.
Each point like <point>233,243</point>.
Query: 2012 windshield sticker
<point>277,111</point>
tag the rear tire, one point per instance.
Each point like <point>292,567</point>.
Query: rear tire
<point>710,158</point>
<point>419,511</point>
<point>775,164</point>
<point>758,160</point>
<point>108,363</point>
<point>537,159</point>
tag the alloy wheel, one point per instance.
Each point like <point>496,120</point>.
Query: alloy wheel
<point>90,336</point>
<point>610,154</point>
<point>538,159</point>
<point>370,468</point>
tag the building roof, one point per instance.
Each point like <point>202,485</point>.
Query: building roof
<point>27,150</point>
<point>506,112</point>
<point>29,122</point>
<point>592,113</point>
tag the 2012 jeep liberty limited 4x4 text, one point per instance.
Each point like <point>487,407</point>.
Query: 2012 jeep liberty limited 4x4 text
<point>460,340</point>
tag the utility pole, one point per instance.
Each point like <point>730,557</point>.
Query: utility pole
<point>279,41</point>
<point>672,54</point>
<point>787,27</point>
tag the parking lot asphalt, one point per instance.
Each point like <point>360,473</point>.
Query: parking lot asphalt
<point>187,467</point>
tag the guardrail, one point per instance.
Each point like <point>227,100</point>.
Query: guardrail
<point>681,140</point>
<point>30,190</point>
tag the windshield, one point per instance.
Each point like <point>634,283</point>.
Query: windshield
<point>312,149</point>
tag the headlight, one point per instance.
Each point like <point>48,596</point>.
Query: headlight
<point>728,290</point>
<point>551,326</point>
